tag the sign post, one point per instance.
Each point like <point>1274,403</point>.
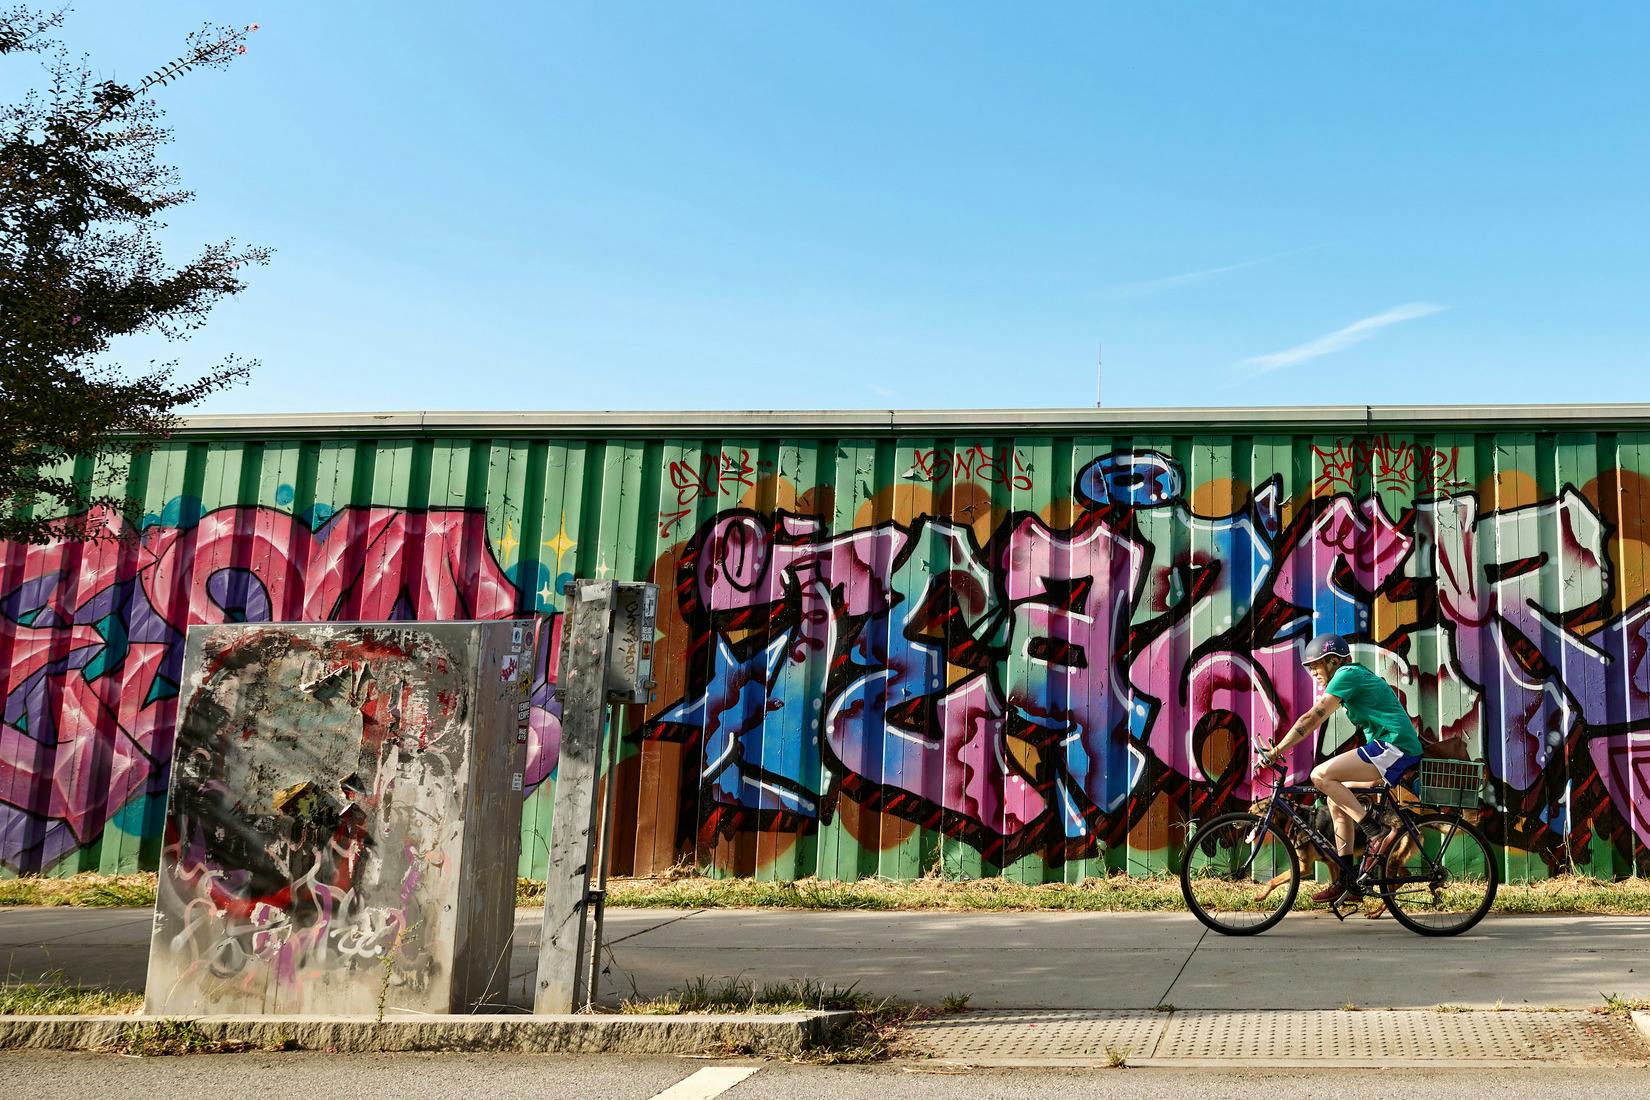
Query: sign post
<point>606,657</point>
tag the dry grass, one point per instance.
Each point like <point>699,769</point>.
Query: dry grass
<point>1576,894</point>
<point>1114,894</point>
<point>54,995</point>
<point>738,995</point>
<point>86,891</point>
<point>874,1033</point>
<point>1117,893</point>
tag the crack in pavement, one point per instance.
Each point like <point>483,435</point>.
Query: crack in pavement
<point>1165,998</point>
<point>654,928</point>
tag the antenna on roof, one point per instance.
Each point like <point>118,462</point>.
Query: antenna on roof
<point>1099,360</point>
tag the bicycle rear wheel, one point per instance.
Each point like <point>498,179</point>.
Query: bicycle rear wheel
<point>1458,872</point>
<point>1230,862</point>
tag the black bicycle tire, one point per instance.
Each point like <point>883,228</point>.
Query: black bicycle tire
<point>1289,894</point>
<point>1463,825</point>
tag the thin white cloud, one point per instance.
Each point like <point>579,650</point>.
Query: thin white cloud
<point>1341,339</point>
<point>883,391</point>
<point>1148,287</point>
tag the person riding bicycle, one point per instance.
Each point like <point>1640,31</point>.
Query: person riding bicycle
<point>1391,748</point>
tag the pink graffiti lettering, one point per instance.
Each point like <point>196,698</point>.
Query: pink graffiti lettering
<point>94,633</point>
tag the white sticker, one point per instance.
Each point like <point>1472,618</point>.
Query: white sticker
<point>510,668</point>
<point>515,782</point>
<point>515,638</point>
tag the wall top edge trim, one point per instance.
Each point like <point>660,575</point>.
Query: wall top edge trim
<point>906,421</point>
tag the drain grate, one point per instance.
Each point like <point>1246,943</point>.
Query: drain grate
<point>1574,1037</point>
<point>1282,1038</point>
<point>982,1038</point>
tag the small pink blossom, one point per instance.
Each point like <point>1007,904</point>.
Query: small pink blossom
<point>75,320</point>
<point>252,27</point>
<point>240,49</point>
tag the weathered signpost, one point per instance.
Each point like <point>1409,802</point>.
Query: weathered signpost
<point>606,658</point>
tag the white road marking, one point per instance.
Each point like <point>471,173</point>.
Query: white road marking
<point>708,1082</point>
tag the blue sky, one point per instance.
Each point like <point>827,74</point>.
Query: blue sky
<point>739,205</point>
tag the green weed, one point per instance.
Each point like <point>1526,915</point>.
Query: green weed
<point>154,1038</point>
<point>1616,1003</point>
<point>54,995</point>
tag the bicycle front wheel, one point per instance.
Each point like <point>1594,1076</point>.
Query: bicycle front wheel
<point>1237,877</point>
<point>1456,873</point>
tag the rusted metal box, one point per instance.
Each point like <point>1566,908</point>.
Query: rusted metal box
<point>344,819</point>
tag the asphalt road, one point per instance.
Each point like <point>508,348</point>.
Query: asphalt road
<point>50,1076</point>
<point>1012,960</point>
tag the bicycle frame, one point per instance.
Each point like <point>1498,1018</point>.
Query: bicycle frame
<point>1277,802</point>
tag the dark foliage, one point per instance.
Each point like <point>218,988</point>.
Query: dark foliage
<point>81,185</point>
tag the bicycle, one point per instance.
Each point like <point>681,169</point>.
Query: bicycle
<point>1438,876</point>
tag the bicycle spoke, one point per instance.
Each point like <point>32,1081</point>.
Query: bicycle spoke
<point>1228,868</point>
<point>1455,875</point>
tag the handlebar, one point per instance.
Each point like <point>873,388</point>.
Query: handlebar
<point>1276,764</point>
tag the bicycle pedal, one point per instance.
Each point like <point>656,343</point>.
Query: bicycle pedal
<point>1335,908</point>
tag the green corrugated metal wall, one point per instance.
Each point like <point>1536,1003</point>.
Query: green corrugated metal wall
<point>1035,654</point>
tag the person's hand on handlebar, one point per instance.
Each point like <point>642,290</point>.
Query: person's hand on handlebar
<point>1268,757</point>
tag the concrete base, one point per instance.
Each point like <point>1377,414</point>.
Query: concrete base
<point>780,1035</point>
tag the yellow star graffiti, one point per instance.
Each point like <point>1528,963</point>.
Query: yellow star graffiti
<point>507,545</point>
<point>561,544</point>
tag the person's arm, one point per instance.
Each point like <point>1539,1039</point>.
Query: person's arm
<point>1315,716</point>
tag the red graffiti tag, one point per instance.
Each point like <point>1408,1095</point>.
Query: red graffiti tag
<point>935,464</point>
<point>712,475</point>
<point>1389,463</point>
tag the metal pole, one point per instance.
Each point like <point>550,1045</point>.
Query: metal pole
<point>582,682</point>
<point>630,668</point>
<point>598,895</point>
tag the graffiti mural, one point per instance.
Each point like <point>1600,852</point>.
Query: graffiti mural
<point>95,635</point>
<point>1011,654</point>
<point>1032,694</point>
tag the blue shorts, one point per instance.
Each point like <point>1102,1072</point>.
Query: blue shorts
<point>1391,761</point>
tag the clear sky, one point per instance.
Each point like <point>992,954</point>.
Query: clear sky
<point>844,205</point>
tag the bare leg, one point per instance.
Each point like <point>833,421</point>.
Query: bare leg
<point>1343,829</point>
<point>1331,777</point>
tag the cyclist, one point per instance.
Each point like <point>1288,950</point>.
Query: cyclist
<point>1391,747</point>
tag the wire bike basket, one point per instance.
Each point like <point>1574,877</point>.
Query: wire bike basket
<point>1454,783</point>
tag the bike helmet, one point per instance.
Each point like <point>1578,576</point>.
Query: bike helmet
<point>1326,645</point>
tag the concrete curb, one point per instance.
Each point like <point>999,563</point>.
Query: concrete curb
<point>1642,1021</point>
<point>784,1034</point>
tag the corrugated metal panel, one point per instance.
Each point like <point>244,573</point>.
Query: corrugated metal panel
<point>899,642</point>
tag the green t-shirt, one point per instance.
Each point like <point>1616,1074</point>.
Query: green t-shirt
<point>1374,708</point>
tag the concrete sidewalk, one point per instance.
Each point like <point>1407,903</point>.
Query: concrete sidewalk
<point>1011,960</point>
